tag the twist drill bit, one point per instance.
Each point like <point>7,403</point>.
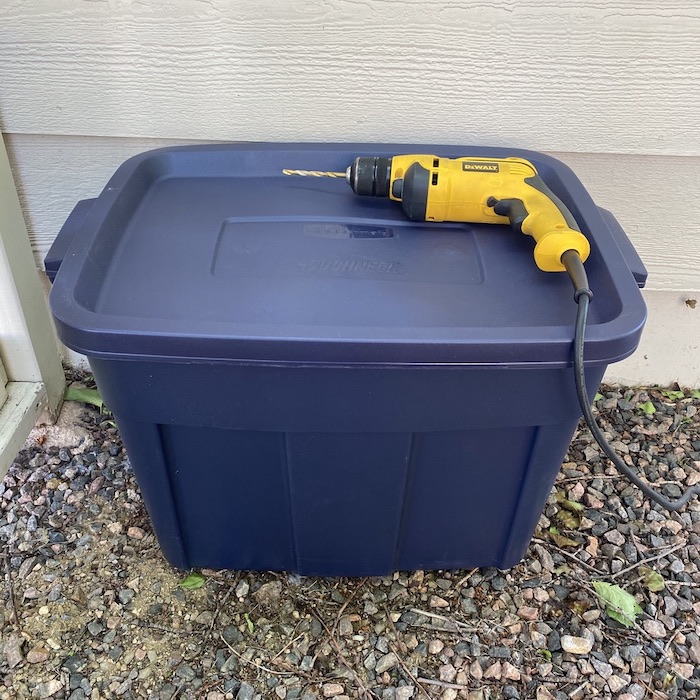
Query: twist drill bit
<point>312,173</point>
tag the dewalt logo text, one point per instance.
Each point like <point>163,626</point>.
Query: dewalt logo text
<point>480,167</point>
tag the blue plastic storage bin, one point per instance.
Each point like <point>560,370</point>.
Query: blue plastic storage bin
<point>306,381</point>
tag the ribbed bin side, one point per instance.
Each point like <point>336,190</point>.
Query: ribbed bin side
<point>343,503</point>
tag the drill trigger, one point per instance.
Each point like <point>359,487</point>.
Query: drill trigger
<point>514,209</point>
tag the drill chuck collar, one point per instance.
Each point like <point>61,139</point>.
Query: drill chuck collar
<point>372,176</point>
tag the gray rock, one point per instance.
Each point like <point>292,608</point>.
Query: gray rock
<point>498,583</point>
<point>12,650</point>
<point>232,634</point>
<point>206,617</point>
<point>637,691</point>
<point>125,595</point>
<point>605,670</point>
<point>95,627</point>
<point>630,652</point>
<point>386,662</point>
<point>55,593</point>
<point>500,652</point>
<point>220,658</point>
<point>230,666</point>
<point>677,566</point>
<point>73,663</point>
<point>186,672</point>
<point>316,629</point>
<point>554,641</point>
<point>245,692</point>
<point>75,680</point>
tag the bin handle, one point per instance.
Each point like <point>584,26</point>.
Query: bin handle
<point>634,262</point>
<point>59,248</point>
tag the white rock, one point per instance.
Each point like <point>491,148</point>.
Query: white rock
<point>576,645</point>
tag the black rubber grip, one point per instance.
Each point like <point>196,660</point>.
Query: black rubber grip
<point>514,209</point>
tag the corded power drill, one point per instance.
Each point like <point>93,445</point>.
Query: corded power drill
<point>497,191</point>
<point>475,190</point>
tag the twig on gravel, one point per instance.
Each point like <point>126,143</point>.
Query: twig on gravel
<point>449,620</point>
<point>570,556</point>
<point>217,610</point>
<point>11,591</point>
<point>364,690</point>
<point>260,667</point>
<point>579,687</point>
<point>350,598</point>
<point>177,690</point>
<point>680,630</point>
<point>442,684</point>
<point>589,477</point>
<point>402,646</point>
<point>154,625</point>
<point>464,579</point>
<point>647,561</point>
<point>654,693</point>
<point>407,671</point>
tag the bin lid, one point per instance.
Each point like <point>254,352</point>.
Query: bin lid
<point>210,252</point>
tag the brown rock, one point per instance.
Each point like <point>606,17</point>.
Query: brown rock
<point>437,602</point>
<point>527,613</point>
<point>510,672</point>
<point>135,533</point>
<point>269,593</point>
<point>638,664</point>
<point>37,655</point>
<point>331,690</point>
<point>493,671</point>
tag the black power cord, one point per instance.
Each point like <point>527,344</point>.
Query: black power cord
<point>583,295</point>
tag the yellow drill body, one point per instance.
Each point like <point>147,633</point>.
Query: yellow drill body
<point>470,190</point>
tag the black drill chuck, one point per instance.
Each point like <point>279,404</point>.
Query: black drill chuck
<point>370,176</point>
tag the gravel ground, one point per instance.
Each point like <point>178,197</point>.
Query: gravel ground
<point>90,609</point>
